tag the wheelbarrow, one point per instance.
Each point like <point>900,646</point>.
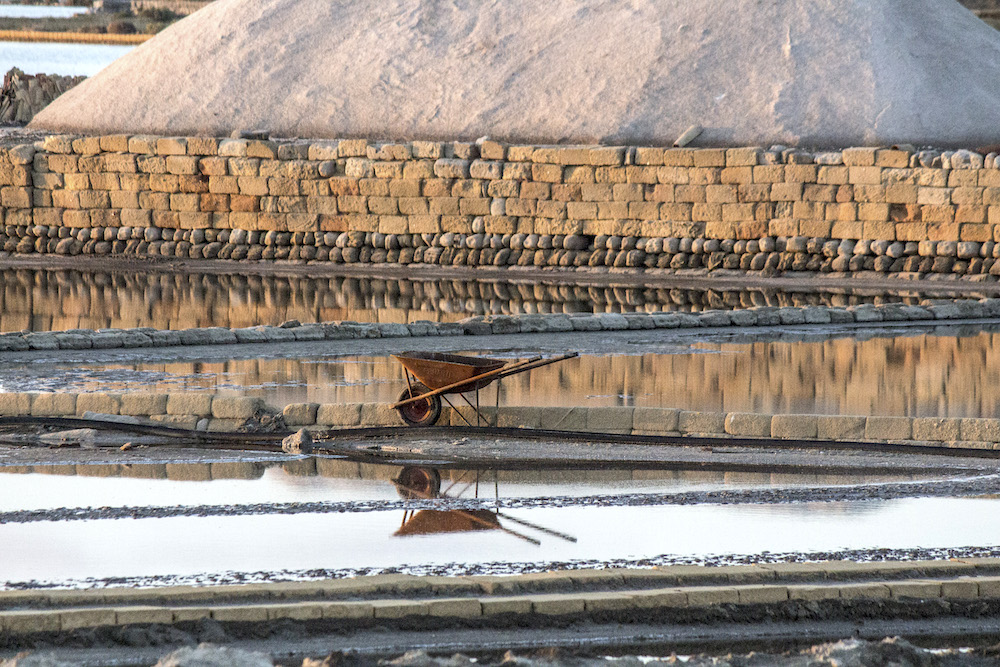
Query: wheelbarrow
<point>431,376</point>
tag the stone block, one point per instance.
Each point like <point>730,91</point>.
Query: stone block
<point>177,421</point>
<point>748,424</point>
<point>610,419</point>
<point>49,404</point>
<point>558,604</point>
<point>563,419</point>
<point>507,605</point>
<point>701,422</point>
<point>398,608</point>
<point>657,598</point>
<point>989,587</point>
<point>346,610</point>
<point>143,404</point>
<point>13,405</point>
<point>337,414</point>
<point>655,421</point>
<point>108,404</point>
<point>29,621</point>
<point>864,591</point>
<point>381,414</point>
<point>607,601</point>
<point>236,407</point>
<point>455,607</point>
<point>519,417</point>
<point>813,592</point>
<point>888,428</point>
<point>71,619</point>
<point>960,589</point>
<point>915,589</point>
<point>301,611</point>
<point>763,594</point>
<point>840,427</point>
<point>244,613</point>
<point>980,430</point>
<point>936,430</point>
<point>794,426</point>
<point>300,414</point>
<point>141,615</point>
<point>171,146</point>
<point>704,596</point>
<point>188,404</point>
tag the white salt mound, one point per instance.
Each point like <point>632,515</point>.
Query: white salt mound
<point>818,73</point>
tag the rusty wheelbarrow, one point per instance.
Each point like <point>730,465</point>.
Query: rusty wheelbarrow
<point>432,375</point>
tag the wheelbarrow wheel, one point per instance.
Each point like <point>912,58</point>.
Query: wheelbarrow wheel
<point>418,483</point>
<point>424,412</point>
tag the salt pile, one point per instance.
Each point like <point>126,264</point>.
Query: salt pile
<point>819,73</point>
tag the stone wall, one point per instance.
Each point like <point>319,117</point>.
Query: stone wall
<point>216,413</point>
<point>351,201</point>
<point>24,95</point>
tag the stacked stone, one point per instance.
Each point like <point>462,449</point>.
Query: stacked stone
<point>24,95</point>
<point>460,204</point>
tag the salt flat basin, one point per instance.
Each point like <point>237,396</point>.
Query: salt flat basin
<point>205,550</point>
<point>59,58</point>
<point>47,487</point>
<point>933,372</point>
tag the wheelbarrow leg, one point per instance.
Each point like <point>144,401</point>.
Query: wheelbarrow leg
<point>456,410</point>
<point>479,415</point>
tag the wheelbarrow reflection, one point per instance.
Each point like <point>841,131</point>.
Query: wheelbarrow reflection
<point>418,483</point>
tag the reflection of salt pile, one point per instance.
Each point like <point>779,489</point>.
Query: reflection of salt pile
<point>818,72</point>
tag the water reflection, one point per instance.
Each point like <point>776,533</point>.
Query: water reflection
<point>915,374</point>
<point>42,300</point>
<point>47,487</point>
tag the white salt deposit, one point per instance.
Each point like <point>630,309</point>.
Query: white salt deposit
<point>752,72</point>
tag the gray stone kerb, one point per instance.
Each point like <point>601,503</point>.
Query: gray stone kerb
<point>865,315</point>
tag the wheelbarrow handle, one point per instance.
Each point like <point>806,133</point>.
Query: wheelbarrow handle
<point>514,370</point>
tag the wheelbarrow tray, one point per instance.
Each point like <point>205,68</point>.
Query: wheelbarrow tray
<point>438,369</point>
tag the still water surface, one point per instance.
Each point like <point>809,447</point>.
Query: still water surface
<point>901,373</point>
<point>203,547</point>
<point>40,300</point>
<point>336,480</point>
<point>58,58</point>
<point>40,11</point>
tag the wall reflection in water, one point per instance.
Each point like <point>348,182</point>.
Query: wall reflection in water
<point>59,300</point>
<point>907,375</point>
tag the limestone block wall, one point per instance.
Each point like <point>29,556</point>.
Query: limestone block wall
<point>352,201</point>
<point>208,412</point>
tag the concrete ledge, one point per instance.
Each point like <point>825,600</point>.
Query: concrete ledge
<point>30,612</point>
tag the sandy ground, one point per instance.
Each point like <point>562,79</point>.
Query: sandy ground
<point>823,73</point>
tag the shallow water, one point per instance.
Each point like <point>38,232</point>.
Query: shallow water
<point>903,372</point>
<point>40,11</point>
<point>59,58</point>
<point>41,300</point>
<point>207,547</point>
<point>47,487</point>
